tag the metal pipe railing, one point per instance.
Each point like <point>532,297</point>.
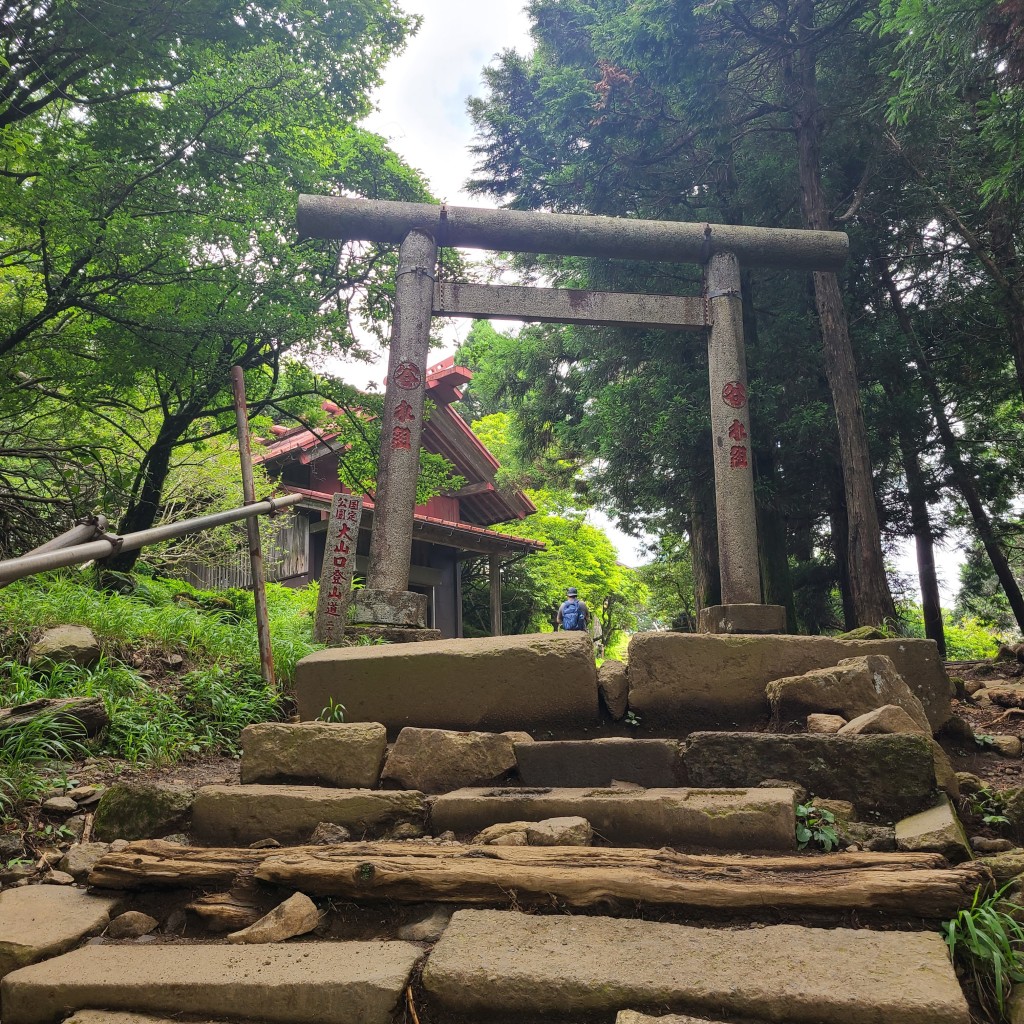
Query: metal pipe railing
<point>27,565</point>
<point>78,534</point>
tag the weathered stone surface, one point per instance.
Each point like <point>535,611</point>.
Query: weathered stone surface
<point>347,755</point>
<point>492,683</point>
<point>489,836</point>
<point>851,688</point>
<point>888,719</point>
<point>827,725</point>
<point>572,831</point>
<point>936,830</point>
<point>389,608</point>
<point>326,834</point>
<point>40,921</point>
<point>131,925</point>
<point>985,845</point>
<point>301,983</point>
<point>893,775</point>
<point>391,634</point>
<point>1005,866</point>
<point>59,805</point>
<point>66,644</point>
<point>742,618</point>
<point>122,1017</point>
<point>429,928</point>
<point>134,810</point>
<point>439,760</point>
<point>969,782</point>
<point>632,1017</point>
<point>1008,746</point>
<point>656,764</point>
<point>81,858</point>
<point>693,681</point>
<point>239,815</point>
<point>491,963</point>
<point>730,819</point>
<point>613,684</point>
<point>58,878</point>
<point>294,916</point>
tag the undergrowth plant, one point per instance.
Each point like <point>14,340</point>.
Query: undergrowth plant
<point>816,826</point>
<point>30,751</point>
<point>164,715</point>
<point>988,941</point>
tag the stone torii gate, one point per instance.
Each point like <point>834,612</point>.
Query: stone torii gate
<point>420,229</point>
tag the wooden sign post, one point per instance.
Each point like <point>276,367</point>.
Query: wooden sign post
<point>336,574</point>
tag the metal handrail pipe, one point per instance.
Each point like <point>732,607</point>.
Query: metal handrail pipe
<point>28,565</point>
<point>564,234</point>
<point>78,534</point>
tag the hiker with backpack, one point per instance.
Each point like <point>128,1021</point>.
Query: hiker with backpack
<point>573,614</point>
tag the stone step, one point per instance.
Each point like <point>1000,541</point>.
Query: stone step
<point>656,764</point>
<point>724,819</point>
<point>298,983</point>
<point>40,921</point>
<point>240,815</point>
<point>495,965</point>
<point>536,681</point>
<point>127,1017</point>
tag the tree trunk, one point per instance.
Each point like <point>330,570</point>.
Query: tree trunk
<point>707,583</point>
<point>580,876</point>
<point>962,477</point>
<point>839,528</point>
<point>771,527</point>
<point>870,591</point>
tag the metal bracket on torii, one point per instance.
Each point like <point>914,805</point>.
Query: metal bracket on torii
<point>419,228</point>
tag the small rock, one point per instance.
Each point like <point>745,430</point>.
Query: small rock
<point>510,839</point>
<point>985,845</point>
<point>853,848</point>
<point>969,783</point>
<point>84,794</point>
<point>842,809</point>
<point>295,916</point>
<point>429,929</point>
<point>937,830</point>
<point>143,939</point>
<point>58,878</point>
<point>81,859</point>
<point>568,831</point>
<point>1005,866</point>
<point>827,724</point>
<point>15,873</point>
<point>888,719</point>
<point>174,923</point>
<point>131,925</point>
<point>446,837</point>
<point>406,830</point>
<point>142,811</point>
<point>972,686</point>
<point>518,737</point>
<point>329,834</point>
<point>119,845</point>
<point>502,828</point>
<point>874,838</point>
<point>958,730</point>
<point>12,845</point>
<point>50,856</point>
<point>59,805</point>
<point>1008,746</point>
<point>178,838</point>
<point>264,844</point>
<point>66,644</point>
<point>76,826</point>
<point>174,660</point>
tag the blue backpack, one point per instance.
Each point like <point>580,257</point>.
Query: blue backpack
<point>573,616</point>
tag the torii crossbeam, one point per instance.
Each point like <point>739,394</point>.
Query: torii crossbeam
<point>421,228</point>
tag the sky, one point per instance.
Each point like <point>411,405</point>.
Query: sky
<point>421,111</point>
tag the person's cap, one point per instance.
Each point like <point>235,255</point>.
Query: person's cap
<point>571,592</point>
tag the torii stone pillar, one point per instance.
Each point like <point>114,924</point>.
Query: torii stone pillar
<point>721,248</point>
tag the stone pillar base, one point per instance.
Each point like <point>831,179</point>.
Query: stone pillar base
<point>389,608</point>
<point>742,618</point>
<point>391,634</point>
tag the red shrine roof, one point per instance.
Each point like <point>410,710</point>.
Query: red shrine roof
<point>481,502</point>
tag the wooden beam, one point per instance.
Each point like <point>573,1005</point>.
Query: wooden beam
<point>569,306</point>
<point>374,220</point>
<point>494,573</point>
<point>481,487</point>
<point>909,884</point>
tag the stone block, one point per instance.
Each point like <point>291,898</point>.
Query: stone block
<point>135,810</point>
<point>936,830</point>
<point>440,760</point>
<point>40,921</point>
<point>390,608</point>
<point>492,965</point>
<point>692,681</point>
<point>76,645</point>
<point>348,755</point>
<point>743,618</point>
<point>560,832</point>
<point>240,815</point>
<point>492,684</point>
<point>851,688</point>
<point>655,764</point>
<point>726,819</point>
<point>885,720</point>
<point>892,775</point>
<point>303,983</point>
<point>827,725</point>
<point>613,684</point>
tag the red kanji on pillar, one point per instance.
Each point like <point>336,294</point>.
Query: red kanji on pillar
<point>401,439</point>
<point>403,412</point>
<point>407,375</point>
<point>738,457</point>
<point>734,394</point>
<point>737,432</point>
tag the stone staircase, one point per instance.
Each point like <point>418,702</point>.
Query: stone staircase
<point>462,895</point>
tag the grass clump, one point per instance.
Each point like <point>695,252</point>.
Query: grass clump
<point>988,942</point>
<point>27,749</point>
<point>180,669</point>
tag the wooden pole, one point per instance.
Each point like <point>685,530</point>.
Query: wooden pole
<point>252,527</point>
<point>374,220</point>
<point>494,572</point>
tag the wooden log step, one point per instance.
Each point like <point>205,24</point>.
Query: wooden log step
<point>920,884</point>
